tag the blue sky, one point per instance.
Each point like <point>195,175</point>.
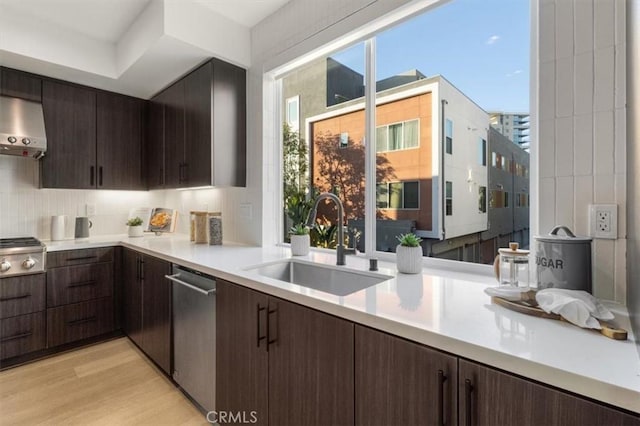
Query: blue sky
<point>480,46</point>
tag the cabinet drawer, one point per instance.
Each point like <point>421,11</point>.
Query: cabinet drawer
<point>79,321</point>
<point>22,295</point>
<point>79,257</point>
<point>79,283</point>
<point>22,334</point>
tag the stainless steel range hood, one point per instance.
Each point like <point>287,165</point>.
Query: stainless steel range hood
<point>22,128</point>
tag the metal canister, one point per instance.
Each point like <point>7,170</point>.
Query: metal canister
<point>564,261</point>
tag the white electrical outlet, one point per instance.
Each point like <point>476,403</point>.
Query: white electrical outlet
<point>91,209</point>
<point>603,221</point>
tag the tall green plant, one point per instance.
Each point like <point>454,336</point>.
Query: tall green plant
<point>295,162</point>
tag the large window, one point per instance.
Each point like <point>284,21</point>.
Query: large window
<point>395,119</point>
<point>397,136</point>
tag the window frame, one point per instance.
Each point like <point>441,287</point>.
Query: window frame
<point>388,126</point>
<point>341,35</point>
<point>388,194</point>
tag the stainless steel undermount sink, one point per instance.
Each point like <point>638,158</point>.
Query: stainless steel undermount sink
<point>336,280</point>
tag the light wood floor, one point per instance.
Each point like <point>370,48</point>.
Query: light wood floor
<point>110,383</point>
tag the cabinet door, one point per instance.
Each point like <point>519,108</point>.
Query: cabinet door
<point>490,397</point>
<point>132,296</point>
<point>119,141</point>
<point>173,98</point>
<point>156,311</point>
<point>154,143</point>
<point>241,358</point>
<point>70,121</point>
<point>399,382</point>
<point>18,84</point>
<point>229,124</point>
<point>310,367</point>
<point>197,107</point>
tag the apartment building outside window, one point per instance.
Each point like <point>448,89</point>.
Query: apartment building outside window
<point>449,199</point>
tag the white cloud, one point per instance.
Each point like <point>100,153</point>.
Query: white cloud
<point>492,39</point>
<point>516,72</point>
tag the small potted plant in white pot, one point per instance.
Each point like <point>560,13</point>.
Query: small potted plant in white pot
<point>135,227</point>
<point>409,254</point>
<point>300,241</point>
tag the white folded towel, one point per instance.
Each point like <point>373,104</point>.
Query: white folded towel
<point>576,306</point>
<point>506,292</point>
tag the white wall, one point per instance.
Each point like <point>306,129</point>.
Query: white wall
<point>582,138</point>
<point>470,122</point>
<point>26,210</point>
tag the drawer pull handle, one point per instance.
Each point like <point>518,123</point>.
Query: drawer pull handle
<point>468,390</point>
<point>23,296</point>
<point>71,259</point>
<point>16,337</point>
<point>82,284</point>
<point>441,379</point>
<point>259,338</point>
<point>82,321</point>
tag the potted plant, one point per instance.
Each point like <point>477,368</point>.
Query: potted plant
<point>135,227</point>
<point>409,254</point>
<point>300,242</point>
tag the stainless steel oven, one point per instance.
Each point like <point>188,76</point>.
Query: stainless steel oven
<point>194,334</point>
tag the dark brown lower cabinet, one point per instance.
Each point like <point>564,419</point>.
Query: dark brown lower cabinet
<point>242,361</point>
<point>402,383</point>
<point>147,305</point>
<point>22,334</point>
<point>79,321</point>
<point>288,364</point>
<point>493,398</point>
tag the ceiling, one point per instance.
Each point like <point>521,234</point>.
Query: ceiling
<point>136,47</point>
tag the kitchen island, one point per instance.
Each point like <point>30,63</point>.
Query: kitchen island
<point>442,309</point>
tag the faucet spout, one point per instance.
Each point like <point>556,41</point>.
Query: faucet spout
<point>312,218</point>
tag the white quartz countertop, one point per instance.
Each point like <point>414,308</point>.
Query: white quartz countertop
<point>443,309</point>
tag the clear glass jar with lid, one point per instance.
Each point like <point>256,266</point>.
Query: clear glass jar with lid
<point>514,266</point>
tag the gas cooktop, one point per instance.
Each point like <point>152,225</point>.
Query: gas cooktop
<point>21,256</point>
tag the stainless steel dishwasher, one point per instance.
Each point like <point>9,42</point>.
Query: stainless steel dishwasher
<point>194,334</point>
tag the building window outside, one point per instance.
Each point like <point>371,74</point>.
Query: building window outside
<point>494,159</point>
<point>292,112</point>
<point>398,195</point>
<point>482,199</point>
<point>448,134</point>
<point>448,198</point>
<point>344,140</point>
<point>398,136</point>
<point>482,152</point>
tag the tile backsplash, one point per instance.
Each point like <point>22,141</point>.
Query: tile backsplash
<point>26,210</point>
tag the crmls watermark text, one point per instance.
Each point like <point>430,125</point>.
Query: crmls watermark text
<point>237,417</point>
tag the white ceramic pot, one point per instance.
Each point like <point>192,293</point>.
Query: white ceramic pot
<point>409,259</point>
<point>135,231</point>
<point>300,245</point>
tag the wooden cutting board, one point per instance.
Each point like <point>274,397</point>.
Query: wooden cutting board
<point>529,306</point>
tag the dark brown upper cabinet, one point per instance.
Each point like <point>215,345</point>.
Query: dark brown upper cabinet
<point>154,152</point>
<point>70,123</point>
<point>120,133</point>
<point>18,84</point>
<point>94,138</point>
<point>201,120</point>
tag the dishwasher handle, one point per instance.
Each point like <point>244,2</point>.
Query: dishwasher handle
<point>175,279</point>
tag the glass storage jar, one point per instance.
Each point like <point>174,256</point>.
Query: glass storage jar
<point>514,266</point>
